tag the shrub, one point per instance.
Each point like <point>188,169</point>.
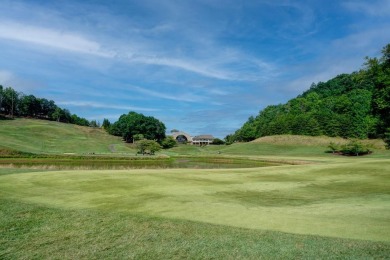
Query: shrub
<point>387,138</point>
<point>218,141</point>
<point>334,147</point>
<point>353,147</point>
<point>148,146</point>
<point>168,142</point>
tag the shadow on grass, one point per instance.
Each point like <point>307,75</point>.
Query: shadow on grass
<point>3,117</point>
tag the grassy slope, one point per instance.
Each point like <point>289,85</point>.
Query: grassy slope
<point>323,141</point>
<point>280,146</point>
<point>39,136</point>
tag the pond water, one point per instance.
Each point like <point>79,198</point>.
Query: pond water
<point>134,163</point>
<point>219,163</point>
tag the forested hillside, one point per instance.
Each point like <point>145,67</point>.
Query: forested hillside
<point>14,103</point>
<point>355,105</point>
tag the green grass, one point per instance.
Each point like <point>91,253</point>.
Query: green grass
<point>36,232</point>
<point>40,136</point>
<point>29,231</point>
<point>347,200</point>
<point>322,141</point>
<point>46,137</point>
<point>325,206</point>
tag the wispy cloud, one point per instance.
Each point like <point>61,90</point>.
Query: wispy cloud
<point>179,95</point>
<point>104,105</point>
<point>184,65</point>
<point>220,58</point>
<point>51,38</point>
<point>5,76</point>
<point>372,8</point>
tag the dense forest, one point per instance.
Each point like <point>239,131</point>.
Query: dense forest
<point>355,105</point>
<point>18,104</point>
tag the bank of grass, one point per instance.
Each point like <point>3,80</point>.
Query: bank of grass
<point>312,148</point>
<point>322,141</point>
<point>47,137</point>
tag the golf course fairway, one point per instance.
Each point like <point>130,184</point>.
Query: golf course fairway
<point>348,199</point>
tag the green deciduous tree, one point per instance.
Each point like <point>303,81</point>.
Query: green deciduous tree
<point>106,124</point>
<point>387,138</point>
<point>148,147</point>
<point>10,101</point>
<point>29,106</point>
<point>218,141</point>
<point>354,147</point>
<point>138,137</point>
<point>1,98</point>
<point>134,123</point>
<point>168,142</point>
<point>378,71</point>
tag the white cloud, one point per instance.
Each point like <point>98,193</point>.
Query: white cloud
<point>184,65</point>
<point>103,105</point>
<point>51,38</point>
<point>5,77</point>
<point>179,96</point>
<point>372,8</point>
<point>222,65</point>
<point>364,41</point>
<point>72,42</point>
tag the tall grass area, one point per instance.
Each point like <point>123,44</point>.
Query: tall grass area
<point>40,136</point>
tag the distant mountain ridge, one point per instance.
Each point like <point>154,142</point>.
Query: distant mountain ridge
<point>355,105</point>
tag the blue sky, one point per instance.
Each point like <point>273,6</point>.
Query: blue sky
<point>200,66</point>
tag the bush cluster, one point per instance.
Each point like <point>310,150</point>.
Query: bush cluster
<point>352,148</point>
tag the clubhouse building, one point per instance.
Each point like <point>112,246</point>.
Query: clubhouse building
<point>201,140</point>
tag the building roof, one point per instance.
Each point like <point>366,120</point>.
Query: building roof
<point>198,137</point>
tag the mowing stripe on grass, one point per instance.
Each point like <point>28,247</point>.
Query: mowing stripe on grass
<point>346,200</point>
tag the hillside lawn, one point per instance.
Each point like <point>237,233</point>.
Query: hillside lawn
<point>324,206</point>
<point>48,137</point>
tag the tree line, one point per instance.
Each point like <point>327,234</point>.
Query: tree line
<point>18,104</point>
<point>131,127</point>
<point>355,105</point>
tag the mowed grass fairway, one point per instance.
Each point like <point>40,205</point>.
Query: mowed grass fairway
<point>339,209</point>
